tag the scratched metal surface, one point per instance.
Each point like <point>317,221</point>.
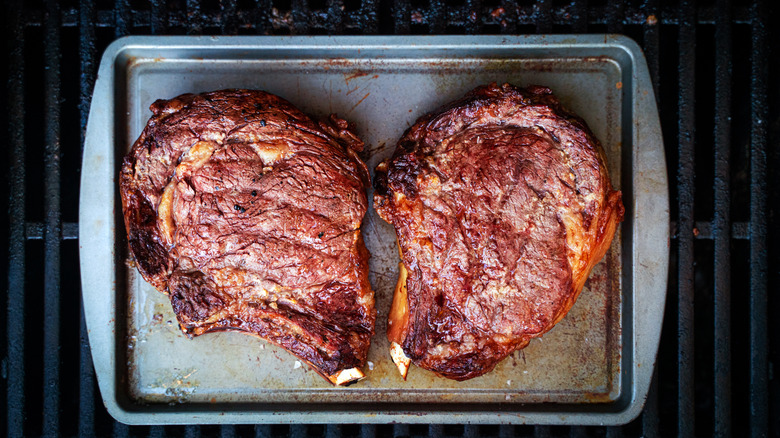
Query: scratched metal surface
<point>583,366</point>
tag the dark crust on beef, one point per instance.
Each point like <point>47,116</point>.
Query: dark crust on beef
<point>247,214</point>
<point>483,195</point>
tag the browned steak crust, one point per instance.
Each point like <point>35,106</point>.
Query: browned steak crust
<point>247,214</point>
<point>502,204</point>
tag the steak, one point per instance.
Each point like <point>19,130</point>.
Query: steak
<point>247,214</point>
<point>502,205</point>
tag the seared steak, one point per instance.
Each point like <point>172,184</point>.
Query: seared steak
<point>502,205</point>
<point>247,214</point>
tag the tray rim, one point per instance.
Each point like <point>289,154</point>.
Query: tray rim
<point>648,267</point>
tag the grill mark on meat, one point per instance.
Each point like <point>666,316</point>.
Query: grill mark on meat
<point>502,205</point>
<point>247,213</point>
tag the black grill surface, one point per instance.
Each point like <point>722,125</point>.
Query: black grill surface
<point>714,66</point>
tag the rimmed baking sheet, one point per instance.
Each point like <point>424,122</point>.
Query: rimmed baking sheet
<point>594,367</point>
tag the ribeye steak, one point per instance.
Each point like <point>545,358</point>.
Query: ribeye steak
<point>247,214</point>
<point>502,205</point>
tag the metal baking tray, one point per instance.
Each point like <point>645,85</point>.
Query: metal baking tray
<point>593,368</point>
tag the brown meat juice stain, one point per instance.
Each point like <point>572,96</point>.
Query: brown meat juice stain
<point>356,74</point>
<point>359,102</point>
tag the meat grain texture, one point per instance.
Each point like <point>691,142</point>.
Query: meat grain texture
<point>247,214</point>
<point>502,205</point>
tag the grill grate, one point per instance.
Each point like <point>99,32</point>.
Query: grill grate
<point>710,64</point>
<point>685,195</point>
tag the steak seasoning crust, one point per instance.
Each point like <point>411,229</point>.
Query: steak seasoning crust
<point>502,205</point>
<point>247,214</point>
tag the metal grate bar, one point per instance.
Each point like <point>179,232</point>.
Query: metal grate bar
<point>437,17</point>
<point>228,23</point>
<point>615,16</point>
<point>88,53</point>
<point>368,431</point>
<point>685,189</point>
<point>194,432</point>
<point>53,223</point>
<point>159,19</point>
<point>262,17</point>
<point>720,225</point>
<point>300,23</point>
<point>399,430</point>
<point>297,430</point>
<point>402,16</point>
<point>334,431</point>
<point>474,21</point>
<point>543,16</point>
<point>371,13</point>
<point>579,13</point>
<point>261,431</point>
<point>16,217</point>
<point>759,397</point>
<point>506,431</point>
<point>120,19</point>
<point>650,412</point>
<point>577,432</point>
<point>229,431</point>
<point>703,230</point>
<point>35,231</point>
<point>508,19</point>
<point>542,431</point>
<point>87,387</point>
<point>121,430</point>
<point>470,431</point>
<point>156,432</point>
<point>652,44</point>
<point>335,16</point>
<point>194,18</point>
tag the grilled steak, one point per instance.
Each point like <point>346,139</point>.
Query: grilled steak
<point>502,205</point>
<point>247,214</point>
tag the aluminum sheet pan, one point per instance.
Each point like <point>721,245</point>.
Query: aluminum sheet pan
<point>593,368</point>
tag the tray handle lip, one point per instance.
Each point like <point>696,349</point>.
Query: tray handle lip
<point>651,239</point>
<point>388,42</point>
<point>97,228</point>
<point>133,415</point>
